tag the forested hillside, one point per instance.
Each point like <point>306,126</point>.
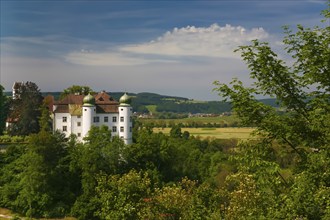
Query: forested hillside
<point>163,103</point>
<point>175,104</point>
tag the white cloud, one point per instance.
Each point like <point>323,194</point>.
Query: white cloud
<point>102,59</point>
<point>213,41</point>
<point>116,58</point>
<point>175,46</point>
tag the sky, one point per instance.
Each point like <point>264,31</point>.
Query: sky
<point>176,48</point>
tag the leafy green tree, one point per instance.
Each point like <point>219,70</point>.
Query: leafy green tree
<point>186,135</point>
<point>11,166</point>
<point>4,109</point>
<point>76,89</point>
<point>35,179</point>
<point>25,109</point>
<point>144,154</point>
<point>45,180</point>
<point>302,89</point>
<point>45,120</point>
<point>99,154</point>
<point>184,200</point>
<point>176,131</point>
<point>122,197</point>
<point>130,196</point>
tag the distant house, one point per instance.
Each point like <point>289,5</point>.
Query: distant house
<point>75,114</point>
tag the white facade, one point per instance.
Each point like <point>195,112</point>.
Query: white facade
<point>125,123</point>
<point>88,113</point>
<point>78,122</point>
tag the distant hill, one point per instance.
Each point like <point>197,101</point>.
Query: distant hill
<point>143,102</point>
<point>163,103</point>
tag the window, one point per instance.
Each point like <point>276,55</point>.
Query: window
<point>130,129</point>
<point>121,109</point>
<point>96,119</point>
<point>114,129</point>
<point>106,119</point>
<point>121,119</point>
<point>79,116</point>
<point>64,119</point>
<point>121,129</point>
<point>85,110</point>
<point>64,128</point>
<point>130,119</point>
<point>79,134</point>
<point>79,124</point>
<point>122,137</point>
<point>114,119</point>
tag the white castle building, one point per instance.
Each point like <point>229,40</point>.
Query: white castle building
<point>76,114</point>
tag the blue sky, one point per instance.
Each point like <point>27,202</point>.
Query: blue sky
<point>167,47</point>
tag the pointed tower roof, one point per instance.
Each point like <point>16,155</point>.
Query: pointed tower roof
<point>89,100</point>
<point>125,100</point>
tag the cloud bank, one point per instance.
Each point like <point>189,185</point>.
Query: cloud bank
<point>174,46</point>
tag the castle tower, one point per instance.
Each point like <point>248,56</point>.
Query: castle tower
<point>125,119</point>
<point>88,113</point>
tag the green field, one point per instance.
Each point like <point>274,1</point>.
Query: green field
<point>219,133</point>
<point>151,108</point>
<point>228,120</point>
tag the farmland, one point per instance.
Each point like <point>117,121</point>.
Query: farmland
<point>220,127</point>
<point>194,122</point>
<point>219,133</point>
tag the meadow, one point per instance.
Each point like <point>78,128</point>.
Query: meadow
<point>219,121</point>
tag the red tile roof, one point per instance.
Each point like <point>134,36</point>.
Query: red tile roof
<point>71,99</point>
<point>103,101</point>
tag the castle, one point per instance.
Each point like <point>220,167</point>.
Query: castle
<point>76,114</point>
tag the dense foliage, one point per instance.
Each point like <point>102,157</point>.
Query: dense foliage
<point>303,131</point>
<point>104,179</point>
<point>24,109</point>
<point>194,122</point>
<point>75,89</point>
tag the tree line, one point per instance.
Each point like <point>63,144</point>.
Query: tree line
<point>102,178</point>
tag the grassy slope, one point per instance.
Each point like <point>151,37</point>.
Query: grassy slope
<point>6,214</point>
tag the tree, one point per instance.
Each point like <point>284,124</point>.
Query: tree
<point>35,179</point>
<point>176,131</point>
<point>45,120</point>
<point>98,154</point>
<point>4,109</point>
<point>302,89</point>
<point>25,109</point>
<point>184,200</point>
<point>75,89</point>
<point>122,197</point>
